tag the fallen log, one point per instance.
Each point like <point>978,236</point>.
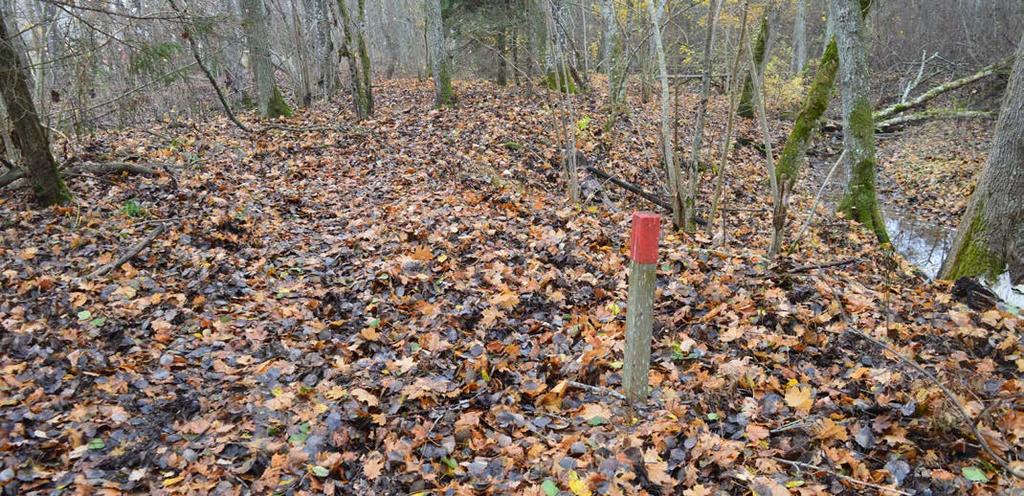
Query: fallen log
<point>632,188</point>
<point>929,95</point>
<point>932,114</point>
<point>87,168</point>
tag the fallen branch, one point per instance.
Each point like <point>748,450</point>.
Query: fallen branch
<point>933,114</point>
<point>847,478</point>
<point>929,95</point>
<point>128,255</point>
<point>961,411</point>
<point>629,187</point>
<point>112,168</point>
<point>598,390</point>
<point>11,176</point>
<point>805,268</point>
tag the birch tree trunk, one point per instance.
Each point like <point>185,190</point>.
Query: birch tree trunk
<point>440,63</point>
<point>269,99</point>
<point>800,37</point>
<point>29,136</point>
<point>690,220</point>
<point>610,23</point>
<point>860,202</point>
<point>990,239</point>
<point>671,166</point>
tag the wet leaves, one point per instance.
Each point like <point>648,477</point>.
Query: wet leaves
<point>402,309</point>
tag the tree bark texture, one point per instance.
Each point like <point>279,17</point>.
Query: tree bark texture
<point>991,235</point>
<point>29,136</point>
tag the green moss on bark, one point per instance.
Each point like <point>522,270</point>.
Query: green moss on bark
<point>746,105</point>
<point>807,122</point>
<point>277,107</point>
<point>861,200</point>
<point>555,81</point>
<point>973,258</point>
<point>446,95</point>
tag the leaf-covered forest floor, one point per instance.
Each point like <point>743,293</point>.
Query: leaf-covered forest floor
<point>408,306</point>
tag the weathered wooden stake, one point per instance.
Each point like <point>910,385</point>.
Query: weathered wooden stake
<point>639,311</point>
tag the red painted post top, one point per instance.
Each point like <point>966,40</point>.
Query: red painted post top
<point>643,241</point>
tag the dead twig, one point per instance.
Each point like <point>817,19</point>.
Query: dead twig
<point>597,390</point>
<point>809,267</point>
<point>847,478</point>
<point>128,255</point>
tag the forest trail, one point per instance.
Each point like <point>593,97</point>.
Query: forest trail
<point>400,298</point>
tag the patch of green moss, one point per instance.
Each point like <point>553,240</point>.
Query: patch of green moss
<point>446,96</point>
<point>56,194</point>
<point>554,80</point>
<point>746,105</point>
<point>277,107</point>
<point>861,200</point>
<point>973,257</point>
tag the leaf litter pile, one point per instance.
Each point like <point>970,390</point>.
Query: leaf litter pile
<point>412,306</point>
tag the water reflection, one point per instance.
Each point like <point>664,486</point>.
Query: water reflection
<point>922,243</point>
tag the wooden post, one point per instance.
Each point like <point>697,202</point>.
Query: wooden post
<point>639,310</point>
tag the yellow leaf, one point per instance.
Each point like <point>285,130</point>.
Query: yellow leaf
<point>365,396</point>
<point>577,486</point>
<point>799,397</point>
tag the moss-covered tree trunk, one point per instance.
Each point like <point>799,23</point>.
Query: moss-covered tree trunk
<point>617,60</point>
<point>804,129</point>
<point>269,99</point>
<point>440,60</point>
<point>28,137</point>
<point>557,69</point>
<point>355,50</point>
<point>860,202</point>
<point>746,107</point>
<point>502,59</point>
<point>990,240</point>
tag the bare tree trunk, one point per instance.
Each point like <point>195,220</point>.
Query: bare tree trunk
<point>304,89</point>
<point>732,84</point>
<point>860,202</point>
<point>672,167</point>
<point>990,240</point>
<point>440,60</point>
<point>800,37</point>
<point>502,50</point>
<point>29,136</point>
<point>690,200</point>
<point>269,98</point>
